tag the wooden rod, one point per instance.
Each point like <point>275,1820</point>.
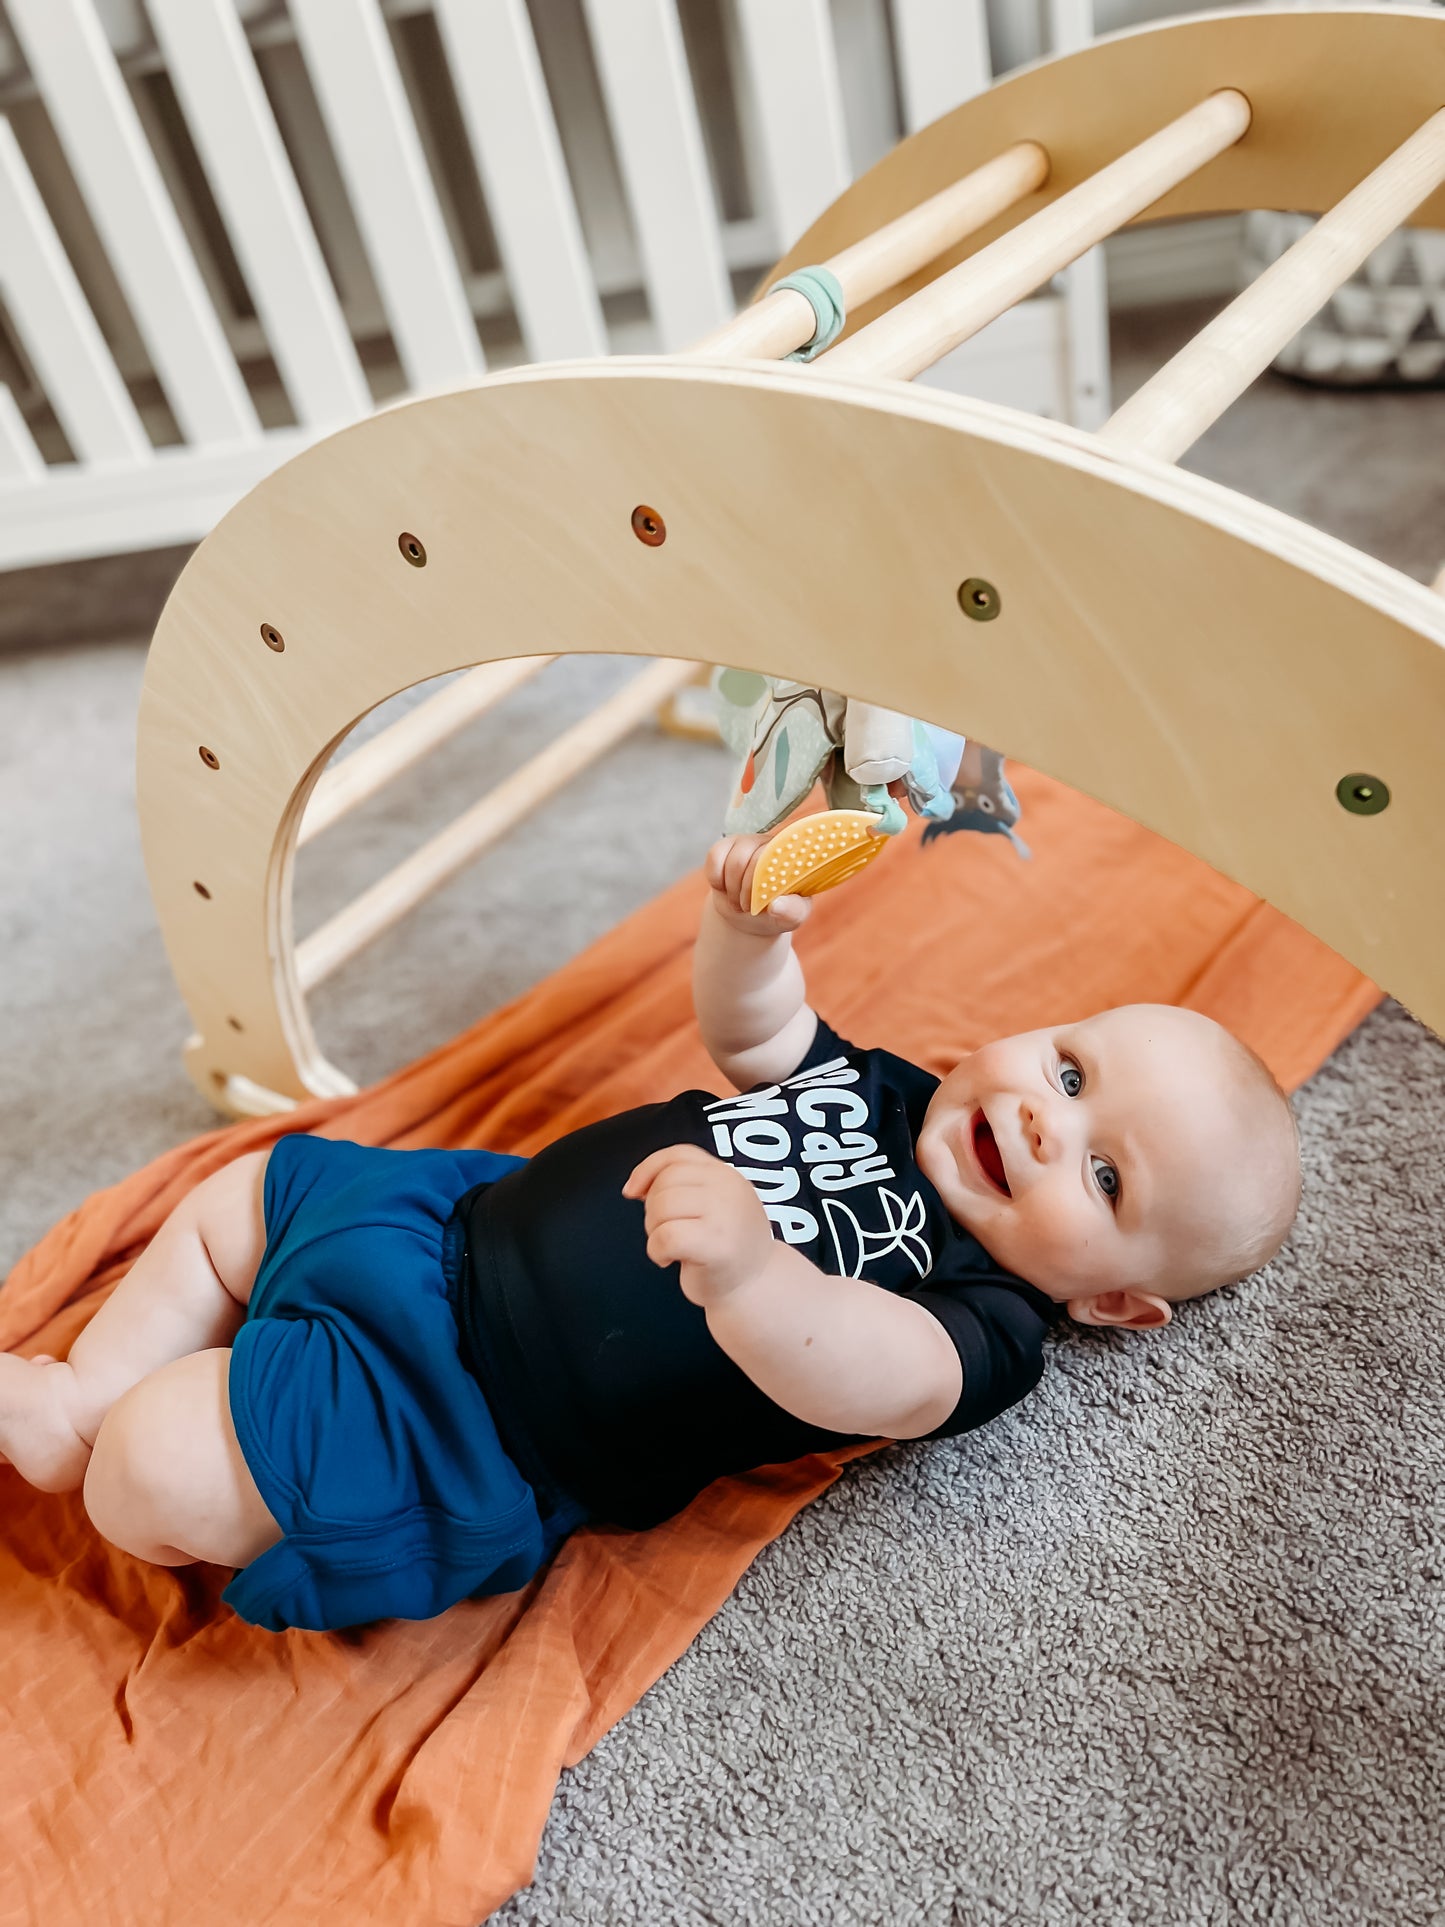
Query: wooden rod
<point>921,330</point>
<point>486,822</point>
<point>778,323</point>
<point>404,742</point>
<point>1175,406</point>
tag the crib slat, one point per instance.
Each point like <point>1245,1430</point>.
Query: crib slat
<point>1086,302</point>
<point>643,68</point>
<point>793,67</point>
<point>943,56</point>
<point>235,133</point>
<point>1085,281</point>
<point>1173,409</point>
<point>503,97</point>
<point>20,459</point>
<point>349,58</point>
<point>67,52</point>
<point>59,331</point>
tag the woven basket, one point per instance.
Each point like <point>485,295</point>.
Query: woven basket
<point>1384,327</point>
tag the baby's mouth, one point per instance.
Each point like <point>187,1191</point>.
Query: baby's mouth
<point>985,1149</point>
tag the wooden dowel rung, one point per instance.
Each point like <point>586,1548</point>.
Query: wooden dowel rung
<point>767,331</point>
<point>1173,409</point>
<point>782,321</point>
<point>373,764</point>
<point>375,911</point>
<point>879,261</point>
<point>921,330</point>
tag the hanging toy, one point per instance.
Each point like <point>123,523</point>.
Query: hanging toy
<point>792,735</point>
<point>983,800</point>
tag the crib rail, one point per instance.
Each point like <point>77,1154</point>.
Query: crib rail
<point>228,227</point>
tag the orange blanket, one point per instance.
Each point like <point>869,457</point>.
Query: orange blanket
<point>161,1762</point>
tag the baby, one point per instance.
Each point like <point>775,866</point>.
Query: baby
<point>377,1382</point>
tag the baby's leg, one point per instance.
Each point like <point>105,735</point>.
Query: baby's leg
<point>187,1292</point>
<point>167,1480</point>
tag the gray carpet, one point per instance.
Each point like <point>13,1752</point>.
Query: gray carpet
<point>1166,1645</point>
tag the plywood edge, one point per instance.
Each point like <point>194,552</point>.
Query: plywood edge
<point>814,515</point>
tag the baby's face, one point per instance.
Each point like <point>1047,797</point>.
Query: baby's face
<point>1093,1157</point>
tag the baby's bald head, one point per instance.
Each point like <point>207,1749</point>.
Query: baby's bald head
<point>1234,1235</point>
<point>1122,1164</point>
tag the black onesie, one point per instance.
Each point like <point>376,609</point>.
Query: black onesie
<point>606,1381</point>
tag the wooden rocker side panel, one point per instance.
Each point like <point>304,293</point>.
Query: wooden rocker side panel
<point>1207,667</point>
<point>1332,92</point>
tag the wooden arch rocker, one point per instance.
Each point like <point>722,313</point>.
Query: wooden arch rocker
<point>1257,692</point>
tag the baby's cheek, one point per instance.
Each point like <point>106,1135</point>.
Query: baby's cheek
<point>1056,1241</point>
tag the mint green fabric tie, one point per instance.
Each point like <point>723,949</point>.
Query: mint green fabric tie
<point>824,294</point>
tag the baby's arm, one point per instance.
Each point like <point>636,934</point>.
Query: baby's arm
<point>835,1352</point>
<point>747,985</point>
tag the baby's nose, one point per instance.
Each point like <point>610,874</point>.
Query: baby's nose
<point>1039,1130</point>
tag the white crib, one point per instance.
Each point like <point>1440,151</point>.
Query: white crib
<point>229,226</point>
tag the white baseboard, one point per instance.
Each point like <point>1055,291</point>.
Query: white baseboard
<point>1019,361</point>
<point>1174,261</point>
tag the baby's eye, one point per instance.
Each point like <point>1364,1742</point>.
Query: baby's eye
<point>1070,1077</point>
<point>1107,1178</point>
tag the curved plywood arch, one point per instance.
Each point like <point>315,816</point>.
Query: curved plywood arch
<point>1206,666</point>
<point>1333,91</point>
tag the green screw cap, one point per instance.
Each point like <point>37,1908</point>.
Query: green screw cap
<point>1361,794</point>
<point>979,600</point>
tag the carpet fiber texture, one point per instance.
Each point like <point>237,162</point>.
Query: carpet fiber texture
<point>1164,1645</point>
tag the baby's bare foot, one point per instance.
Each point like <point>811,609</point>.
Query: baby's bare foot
<point>36,1434</point>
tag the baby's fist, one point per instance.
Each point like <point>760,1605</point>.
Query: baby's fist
<point>729,869</point>
<point>703,1216</point>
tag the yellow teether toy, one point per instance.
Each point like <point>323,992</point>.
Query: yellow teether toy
<point>815,853</point>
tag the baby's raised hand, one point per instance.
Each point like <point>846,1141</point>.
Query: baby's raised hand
<point>729,869</point>
<point>701,1214</point>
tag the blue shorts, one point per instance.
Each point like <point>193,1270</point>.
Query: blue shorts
<point>372,1445</point>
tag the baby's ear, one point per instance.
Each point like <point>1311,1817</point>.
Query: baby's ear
<point>1135,1310</point>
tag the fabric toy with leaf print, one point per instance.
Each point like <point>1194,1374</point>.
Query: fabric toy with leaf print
<point>789,735</point>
